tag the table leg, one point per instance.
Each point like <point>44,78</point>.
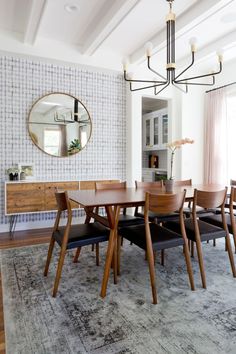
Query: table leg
<point>113,217</point>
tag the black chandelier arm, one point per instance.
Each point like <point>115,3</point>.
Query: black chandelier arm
<point>196,83</point>
<point>145,87</point>
<point>156,92</point>
<point>200,76</point>
<point>181,89</point>
<point>188,67</point>
<point>154,71</point>
<point>144,81</point>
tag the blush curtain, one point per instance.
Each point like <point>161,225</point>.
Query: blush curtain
<point>215,149</point>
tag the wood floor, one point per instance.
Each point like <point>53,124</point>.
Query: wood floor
<point>21,238</point>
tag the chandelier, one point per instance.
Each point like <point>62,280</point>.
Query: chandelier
<point>162,82</point>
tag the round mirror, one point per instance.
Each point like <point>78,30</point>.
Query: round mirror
<point>59,124</point>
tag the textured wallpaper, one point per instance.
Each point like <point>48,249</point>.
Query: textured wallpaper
<point>22,82</point>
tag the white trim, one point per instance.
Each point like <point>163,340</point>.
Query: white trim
<point>38,224</point>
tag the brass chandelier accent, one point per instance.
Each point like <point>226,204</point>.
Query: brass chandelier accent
<point>171,78</point>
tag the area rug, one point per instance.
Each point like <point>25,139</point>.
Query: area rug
<point>79,321</point>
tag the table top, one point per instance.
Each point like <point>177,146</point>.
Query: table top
<point>130,196</point>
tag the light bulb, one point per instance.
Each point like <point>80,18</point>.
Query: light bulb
<point>193,42</point>
<point>148,48</point>
<point>220,54</point>
<point>125,63</point>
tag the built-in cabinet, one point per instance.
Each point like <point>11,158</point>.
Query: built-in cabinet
<point>155,137</point>
<point>155,130</point>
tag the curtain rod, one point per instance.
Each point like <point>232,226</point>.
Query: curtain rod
<point>217,88</point>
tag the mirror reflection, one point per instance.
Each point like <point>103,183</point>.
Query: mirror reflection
<point>59,124</point>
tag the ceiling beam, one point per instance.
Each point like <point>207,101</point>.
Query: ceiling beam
<point>35,17</point>
<point>116,13</point>
<point>196,14</point>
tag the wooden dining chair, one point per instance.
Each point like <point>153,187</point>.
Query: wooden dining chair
<point>124,219</point>
<point>72,236</point>
<point>230,218</point>
<point>154,237</point>
<point>198,230</point>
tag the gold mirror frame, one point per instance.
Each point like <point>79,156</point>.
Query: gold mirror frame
<point>59,124</point>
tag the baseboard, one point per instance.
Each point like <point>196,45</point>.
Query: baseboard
<point>38,224</point>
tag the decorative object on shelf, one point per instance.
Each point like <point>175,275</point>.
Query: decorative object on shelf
<point>162,82</point>
<point>74,147</point>
<point>57,119</point>
<point>13,173</point>
<point>26,171</point>
<point>153,161</point>
<point>173,146</point>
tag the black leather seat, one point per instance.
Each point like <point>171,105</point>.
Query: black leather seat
<point>162,238</point>
<point>207,231</point>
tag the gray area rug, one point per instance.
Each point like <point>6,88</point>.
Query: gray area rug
<point>79,321</point>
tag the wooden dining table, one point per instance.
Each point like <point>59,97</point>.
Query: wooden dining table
<point>112,201</point>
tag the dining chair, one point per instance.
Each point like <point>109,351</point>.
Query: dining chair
<point>161,218</point>
<point>124,218</point>
<point>198,230</point>
<point>229,218</point>
<point>154,237</point>
<point>72,236</point>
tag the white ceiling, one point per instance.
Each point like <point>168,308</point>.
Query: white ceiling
<point>101,32</point>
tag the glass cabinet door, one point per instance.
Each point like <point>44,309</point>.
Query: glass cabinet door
<point>164,129</point>
<point>156,131</point>
<point>148,132</point>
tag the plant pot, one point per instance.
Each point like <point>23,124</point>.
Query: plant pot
<point>169,185</point>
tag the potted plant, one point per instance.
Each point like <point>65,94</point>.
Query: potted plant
<point>74,146</point>
<point>169,183</point>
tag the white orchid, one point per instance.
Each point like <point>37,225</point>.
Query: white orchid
<point>177,145</point>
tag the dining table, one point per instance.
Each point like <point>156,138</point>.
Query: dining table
<point>112,201</point>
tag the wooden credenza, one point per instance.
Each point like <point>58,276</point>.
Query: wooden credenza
<point>25,197</point>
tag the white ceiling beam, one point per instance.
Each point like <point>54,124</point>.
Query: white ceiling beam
<point>196,14</point>
<point>33,24</point>
<point>225,42</point>
<point>116,13</point>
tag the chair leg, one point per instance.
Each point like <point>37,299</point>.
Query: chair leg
<point>76,256</point>
<point>115,262</point>
<point>97,254</point>
<point>192,249</point>
<point>231,256</point>
<point>234,237</point>
<point>49,256</point>
<point>119,243</point>
<point>122,241</point>
<point>201,264</point>
<point>92,247</point>
<point>162,257</point>
<point>189,266</point>
<point>214,242</point>
<point>152,273</point>
<point>59,270</point>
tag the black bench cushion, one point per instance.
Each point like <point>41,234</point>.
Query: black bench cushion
<point>83,234</point>
<point>207,231</point>
<point>161,237</point>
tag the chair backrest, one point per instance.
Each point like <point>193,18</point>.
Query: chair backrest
<point>186,182</point>
<point>164,203</point>
<point>156,184</point>
<point>63,204</point>
<point>233,182</point>
<point>107,186</point>
<point>209,199</point>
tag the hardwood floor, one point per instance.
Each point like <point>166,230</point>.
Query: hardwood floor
<point>21,238</point>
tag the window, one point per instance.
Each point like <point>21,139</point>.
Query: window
<point>52,141</point>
